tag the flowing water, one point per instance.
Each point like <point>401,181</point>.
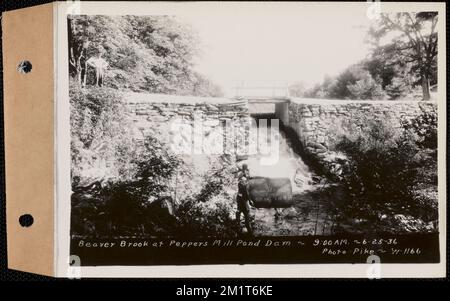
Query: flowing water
<point>309,214</point>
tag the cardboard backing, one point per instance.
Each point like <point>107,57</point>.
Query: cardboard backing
<point>29,137</point>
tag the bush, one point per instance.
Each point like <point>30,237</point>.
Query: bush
<point>137,205</point>
<point>198,219</point>
<point>210,212</point>
<point>138,197</point>
<point>97,115</point>
<point>366,88</point>
<point>145,205</point>
<point>425,127</point>
<point>131,196</point>
<point>383,174</point>
<point>95,112</point>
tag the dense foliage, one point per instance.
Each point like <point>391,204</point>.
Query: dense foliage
<point>123,185</point>
<point>145,53</point>
<point>405,66</point>
<point>425,127</point>
<point>97,120</point>
<point>136,194</point>
<point>137,204</point>
<point>390,172</point>
<point>413,43</point>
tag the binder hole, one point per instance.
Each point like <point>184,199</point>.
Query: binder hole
<point>26,220</point>
<point>24,67</point>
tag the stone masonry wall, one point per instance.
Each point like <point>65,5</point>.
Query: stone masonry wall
<point>218,125</point>
<point>221,123</point>
<point>225,123</point>
<point>317,122</point>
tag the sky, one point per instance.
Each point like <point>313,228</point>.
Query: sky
<point>278,45</point>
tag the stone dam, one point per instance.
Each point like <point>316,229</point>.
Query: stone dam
<point>214,126</point>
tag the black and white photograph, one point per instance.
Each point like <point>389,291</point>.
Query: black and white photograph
<point>228,136</point>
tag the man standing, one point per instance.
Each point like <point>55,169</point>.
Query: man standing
<point>243,200</point>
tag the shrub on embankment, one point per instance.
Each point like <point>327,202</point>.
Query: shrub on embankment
<point>124,186</point>
<point>390,178</point>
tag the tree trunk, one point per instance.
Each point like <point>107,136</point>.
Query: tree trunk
<point>79,72</point>
<point>84,74</point>
<point>425,87</point>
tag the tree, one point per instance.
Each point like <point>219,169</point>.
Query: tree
<point>297,89</point>
<point>366,88</point>
<point>90,35</point>
<point>400,85</point>
<point>321,90</point>
<point>202,86</point>
<point>77,51</point>
<point>339,89</point>
<point>355,82</point>
<point>144,53</point>
<point>413,40</point>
